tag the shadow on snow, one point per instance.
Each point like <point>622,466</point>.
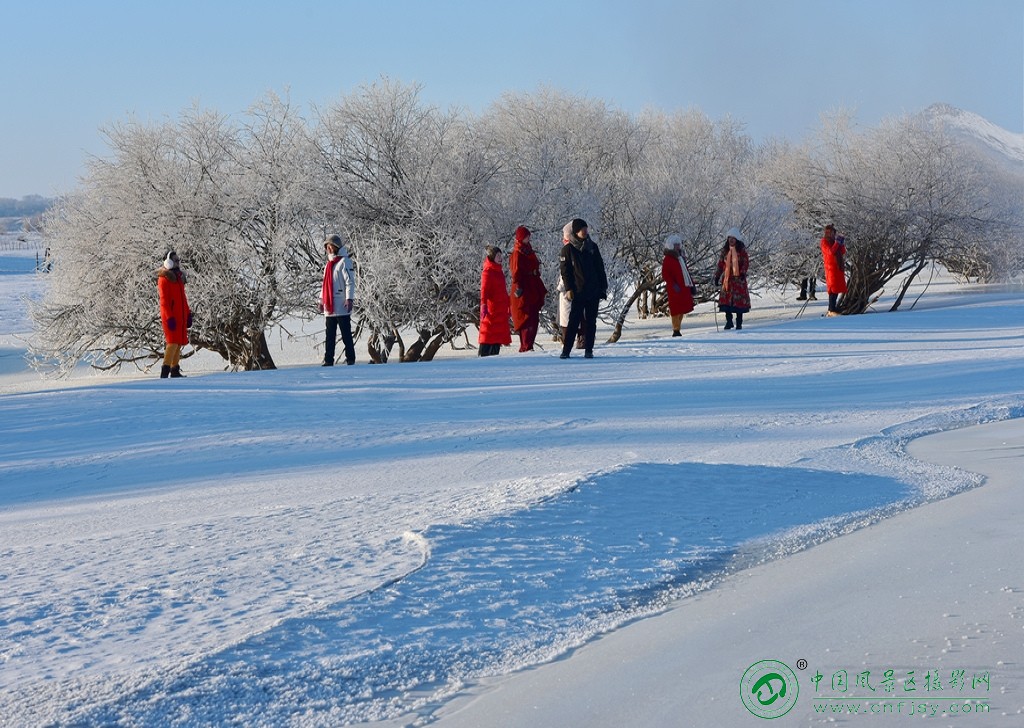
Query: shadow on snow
<point>507,592</point>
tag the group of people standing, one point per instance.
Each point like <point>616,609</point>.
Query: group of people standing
<point>582,284</point>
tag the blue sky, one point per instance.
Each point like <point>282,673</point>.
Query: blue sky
<point>775,65</point>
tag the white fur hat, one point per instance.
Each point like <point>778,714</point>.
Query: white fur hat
<point>567,231</point>
<point>734,232</point>
<point>672,241</point>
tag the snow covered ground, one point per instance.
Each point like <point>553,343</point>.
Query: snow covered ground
<point>320,547</point>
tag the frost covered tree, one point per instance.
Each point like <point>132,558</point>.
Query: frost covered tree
<point>697,178</point>
<point>406,180</point>
<point>903,193</point>
<point>559,156</point>
<point>998,255</point>
<point>230,198</point>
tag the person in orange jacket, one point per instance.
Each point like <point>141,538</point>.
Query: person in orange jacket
<point>528,290</point>
<point>175,315</point>
<point>494,306</point>
<point>833,253</point>
<point>678,283</point>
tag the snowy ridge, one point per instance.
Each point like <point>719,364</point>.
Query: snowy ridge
<point>974,127</point>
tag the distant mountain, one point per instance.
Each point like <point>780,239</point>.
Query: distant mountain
<point>1004,148</point>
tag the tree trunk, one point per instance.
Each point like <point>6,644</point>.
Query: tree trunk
<point>921,263</point>
<point>415,350</point>
<point>260,357</point>
<point>621,319</point>
<point>431,350</point>
<point>860,288</point>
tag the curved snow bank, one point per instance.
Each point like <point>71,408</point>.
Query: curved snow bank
<point>887,452</point>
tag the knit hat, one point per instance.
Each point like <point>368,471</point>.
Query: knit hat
<point>672,241</point>
<point>567,232</point>
<point>577,225</point>
<point>334,240</point>
<point>734,232</point>
<point>522,234</point>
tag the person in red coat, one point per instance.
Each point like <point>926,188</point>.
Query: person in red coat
<point>528,290</point>
<point>678,282</point>
<point>833,253</point>
<point>175,314</point>
<point>494,308</point>
<point>731,274</point>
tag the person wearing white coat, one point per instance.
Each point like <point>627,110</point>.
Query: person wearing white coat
<point>564,304</point>
<point>337,295</point>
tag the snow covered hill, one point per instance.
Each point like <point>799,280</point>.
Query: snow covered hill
<point>1004,148</point>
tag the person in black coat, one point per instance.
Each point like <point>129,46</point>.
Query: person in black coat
<point>586,283</point>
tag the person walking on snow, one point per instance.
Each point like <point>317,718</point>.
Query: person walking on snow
<point>494,306</point>
<point>678,282</point>
<point>731,274</point>
<point>833,254</point>
<point>528,290</point>
<point>337,296</point>
<point>586,283</point>
<point>175,315</point>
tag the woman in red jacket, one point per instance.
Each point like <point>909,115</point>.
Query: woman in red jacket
<point>833,253</point>
<point>494,309</point>
<point>528,290</point>
<point>175,314</point>
<point>678,282</point>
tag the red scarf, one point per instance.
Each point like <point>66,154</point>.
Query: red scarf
<point>327,290</point>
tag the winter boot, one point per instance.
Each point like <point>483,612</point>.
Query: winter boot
<point>165,371</point>
<point>176,373</point>
<point>728,321</point>
<point>739,321</point>
<point>675,332</point>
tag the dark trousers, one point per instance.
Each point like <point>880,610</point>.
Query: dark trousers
<point>833,302</point>
<point>333,324</point>
<point>728,320</point>
<point>582,311</point>
<point>489,350</point>
<point>805,284</point>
